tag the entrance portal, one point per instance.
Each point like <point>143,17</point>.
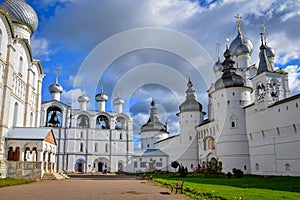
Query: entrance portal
<point>100,167</point>
<point>80,167</point>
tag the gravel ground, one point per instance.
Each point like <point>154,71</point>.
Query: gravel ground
<point>89,187</point>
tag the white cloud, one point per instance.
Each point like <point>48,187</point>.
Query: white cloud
<point>41,48</point>
<point>71,97</point>
<point>294,78</point>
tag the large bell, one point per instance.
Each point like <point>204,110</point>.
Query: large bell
<point>83,122</point>
<point>54,119</point>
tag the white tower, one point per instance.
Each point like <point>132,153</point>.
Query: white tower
<point>230,96</point>
<point>83,101</point>
<point>269,85</point>
<point>55,89</point>
<point>118,103</point>
<point>153,130</point>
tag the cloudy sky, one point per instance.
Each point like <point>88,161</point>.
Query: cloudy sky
<point>149,48</point>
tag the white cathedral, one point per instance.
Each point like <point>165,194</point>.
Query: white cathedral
<point>253,123</point>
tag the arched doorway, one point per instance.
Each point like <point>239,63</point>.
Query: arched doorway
<point>80,165</point>
<point>100,166</point>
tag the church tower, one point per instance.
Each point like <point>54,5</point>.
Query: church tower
<point>153,130</point>
<point>231,94</point>
<point>55,89</point>
<point>101,99</point>
<point>269,85</point>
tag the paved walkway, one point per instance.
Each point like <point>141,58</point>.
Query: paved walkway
<point>92,187</point>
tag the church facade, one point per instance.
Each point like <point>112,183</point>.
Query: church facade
<point>24,152</point>
<point>252,120</point>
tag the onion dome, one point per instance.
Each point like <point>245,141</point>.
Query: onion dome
<point>270,52</point>
<point>229,77</point>
<point>21,13</point>
<point>55,87</point>
<point>240,45</point>
<point>218,65</point>
<point>118,100</point>
<point>281,71</point>
<point>153,123</point>
<point>83,99</point>
<point>190,103</point>
<point>101,97</point>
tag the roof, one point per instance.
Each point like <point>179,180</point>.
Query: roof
<point>151,152</point>
<point>168,138</point>
<point>20,133</point>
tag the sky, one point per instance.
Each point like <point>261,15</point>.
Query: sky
<point>148,49</point>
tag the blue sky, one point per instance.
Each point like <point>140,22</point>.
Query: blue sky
<point>73,33</point>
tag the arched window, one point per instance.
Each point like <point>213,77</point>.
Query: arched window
<point>256,166</point>
<point>31,119</point>
<point>121,136</point>
<point>233,121</point>
<point>83,121</point>
<point>210,143</point>
<point>102,122</point>
<point>20,64</point>
<point>27,154</point>
<point>33,80</point>
<point>121,123</point>
<point>287,167</point>
<point>81,147</point>
<point>34,154</point>
<point>17,154</point>
<point>16,112</point>
<point>10,153</point>
<point>54,117</point>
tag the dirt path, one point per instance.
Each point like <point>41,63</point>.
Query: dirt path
<point>89,188</point>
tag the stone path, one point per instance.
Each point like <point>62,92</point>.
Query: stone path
<point>92,187</point>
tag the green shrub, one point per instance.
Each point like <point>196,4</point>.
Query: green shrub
<point>237,173</point>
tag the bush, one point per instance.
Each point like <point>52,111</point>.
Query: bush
<point>229,174</point>
<point>237,173</point>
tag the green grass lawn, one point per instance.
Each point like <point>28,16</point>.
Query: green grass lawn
<point>250,187</point>
<point>12,181</point>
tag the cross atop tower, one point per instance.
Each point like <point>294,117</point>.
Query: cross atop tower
<point>218,49</point>
<point>57,70</point>
<point>102,85</point>
<point>239,22</point>
<point>264,29</point>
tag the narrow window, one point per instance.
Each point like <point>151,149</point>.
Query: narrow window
<point>81,147</point>
<point>16,107</point>
<point>20,64</point>
<point>106,147</point>
<point>256,166</point>
<point>287,167</point>
<point>96,147</point>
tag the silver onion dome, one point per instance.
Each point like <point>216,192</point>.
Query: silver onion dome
<point>21,12</point>
<point>83,98</point>
<point>118,100</point>
<point>270,52</point>
<point>55,87</point>
<point>190,103</point>
<point>241,45</point>
<point>218,67</point>
<point>101,97</point>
